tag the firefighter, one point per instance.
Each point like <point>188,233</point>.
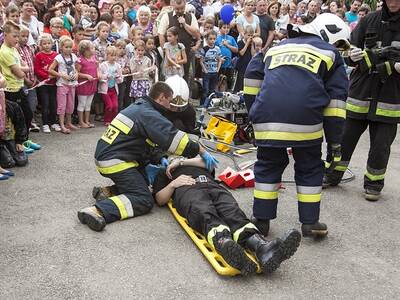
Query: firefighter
<point>303,93</point>
<point>135,138</point>
<point>374,95</point>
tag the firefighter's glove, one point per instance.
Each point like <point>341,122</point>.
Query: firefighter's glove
<point>151,172</point>
<point>356,54</point>
<point>210,161</point>
<point>164,162</point>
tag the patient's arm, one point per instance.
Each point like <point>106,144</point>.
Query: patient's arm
<point>195,162</point>
<point>163,196</point>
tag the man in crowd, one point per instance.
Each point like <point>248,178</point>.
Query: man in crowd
<point>130,143</point>
<point>188,29</point>
<point>267,25</point>
<point>351,15</point>
<point>30,21</point>
<point>374,95</point>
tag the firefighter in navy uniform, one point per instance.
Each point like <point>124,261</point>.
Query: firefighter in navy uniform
<point>133,140</point>
<point>374,95</point>
<point>303,94</point>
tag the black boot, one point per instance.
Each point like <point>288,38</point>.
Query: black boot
<point>331,179</point>
<point>262,225</point>
<point>268,253</point>
<point>101,193</point>
<point>234,254</point>
<point>289,243</point>
<point>316,230</point>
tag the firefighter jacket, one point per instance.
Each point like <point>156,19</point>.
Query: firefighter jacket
<point>374,92</point>
<point>253,78</point>
<point>304,92</point>
<point>134,136</point>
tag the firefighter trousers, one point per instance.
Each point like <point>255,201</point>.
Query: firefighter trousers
<point>309,170</point>
<point>133,197</point>
<point>210,209</point>
<point>381,137</point>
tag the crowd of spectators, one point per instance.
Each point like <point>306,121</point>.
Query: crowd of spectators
<point>62,58</point>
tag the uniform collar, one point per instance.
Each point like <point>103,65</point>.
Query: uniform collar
<point>156,106</point>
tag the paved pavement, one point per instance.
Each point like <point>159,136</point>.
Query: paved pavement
<point>45,253</point>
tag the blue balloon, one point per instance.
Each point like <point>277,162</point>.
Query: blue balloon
<point>227,12</point>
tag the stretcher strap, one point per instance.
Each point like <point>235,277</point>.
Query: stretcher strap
<point>216,260</point>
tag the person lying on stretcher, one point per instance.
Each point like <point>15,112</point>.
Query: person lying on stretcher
<point>212,211</point>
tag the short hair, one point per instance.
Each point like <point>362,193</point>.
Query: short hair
<point>55,20</point>
<point>159,88</point>
<point>45,37</point>
<point>248,1</point>
<point>76,28</point>
<point>365,8</point>
<point>148,37</point>
<point>9,26</point>
<point>222,23</point>
<point>212,32</point>
<point>209,20</point>
<point>352,1</point>
<point>27,1</point>
<point>112,50</point>
<point>23,28</point>
<point>11,8</point>
<point>144,9</point>
<point>257,40</point>
<point>64,40</point>
<point>100,25</point>
<point>179,2</point>
<point>84,45</point>
<point>135,29</point>
<point>140,43</point>
<point>106,17</point>
<point>249,29</point>
<point>120,43</point>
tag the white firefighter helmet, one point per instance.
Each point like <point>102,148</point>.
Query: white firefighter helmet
<point>181,92</point>
<point>330,28</point>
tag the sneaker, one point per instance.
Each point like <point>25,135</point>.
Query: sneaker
<point>316,230</point>
<point>234,255</point>
<point>7,173</point>
<point>32,145</point>
<point>3,177</point>
<point>372,195</point>
<point>92,217</point>
<point>56,127</point>
<point>34,128</point>
<point>28,150</point>
<point>262,225</point>
<point>46,129</point>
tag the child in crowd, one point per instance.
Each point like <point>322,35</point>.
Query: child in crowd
<point>12,13</point>
<point>123,61</point>
<point>109,77</point>
<point>48,92</point>
<point>246,52</point>
<point>175,55</point>
<point>130,11</point>
<point>56,25</point>
<point>140,66</point>
<point>154,56</point>
<point>257,45</point>
<point>208,26</point>
<point>87,68</point>
<point>14,70</point>
<point>78,34</point>
<point>228,46</point>
<point>66,81</point>
<point>210,62</point>
<point>136,34</point>
<point>101,43</point>
<point>27,55</point>
<point>85,21</point>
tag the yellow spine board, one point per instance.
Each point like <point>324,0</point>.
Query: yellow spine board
<point>216,260</point>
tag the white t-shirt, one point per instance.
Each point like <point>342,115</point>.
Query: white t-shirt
<point>217,6</point>
<point>241,20</point>
<point>123,30</point>
<point>34,30</point>
<point>208,10</point>
<point>63,68</point>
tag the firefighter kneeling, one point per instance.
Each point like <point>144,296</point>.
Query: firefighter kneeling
<point>303,93</point>
<point>135,138</point>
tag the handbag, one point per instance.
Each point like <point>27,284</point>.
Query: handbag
<point>223,129</point>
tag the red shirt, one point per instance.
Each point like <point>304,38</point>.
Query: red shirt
<point>42,63</point>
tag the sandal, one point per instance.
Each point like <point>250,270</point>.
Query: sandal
<point>65,131</point>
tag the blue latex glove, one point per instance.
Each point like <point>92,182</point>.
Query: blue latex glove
<point>151,172</point>
<point>164,162</point>
<point>211,161</point>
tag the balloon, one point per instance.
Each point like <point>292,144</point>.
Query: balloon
<point>226,13</point>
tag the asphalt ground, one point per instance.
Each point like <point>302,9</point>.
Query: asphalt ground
<point>45,253</point>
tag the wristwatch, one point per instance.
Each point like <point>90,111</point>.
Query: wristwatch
<point>181,160</point>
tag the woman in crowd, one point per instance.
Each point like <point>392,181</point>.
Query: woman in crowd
<point>248,18</point>
<point>118,23</point>
<point>144,20</point>
<point>273,11</point>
